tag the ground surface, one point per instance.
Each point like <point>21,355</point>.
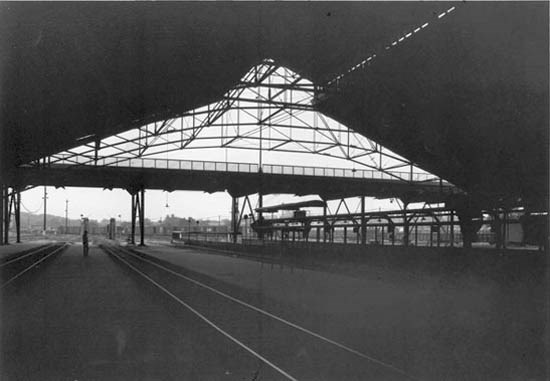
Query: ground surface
<point>434,327</point>
<point>78,318</point>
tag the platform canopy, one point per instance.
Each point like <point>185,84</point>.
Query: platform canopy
<point>466,97</point>
<point>292,206</point>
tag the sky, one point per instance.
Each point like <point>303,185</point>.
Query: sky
<point>98,204</point>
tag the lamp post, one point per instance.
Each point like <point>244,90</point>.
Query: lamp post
<point>66,216</point>
<point>45,209</point>
<point>189,230</point>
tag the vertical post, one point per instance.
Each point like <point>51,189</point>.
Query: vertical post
<point>363,222</point>
<point>325,224</point>
<point>406,222</point>
<point>97,146</point>
<point>260,233</point>
<point>260,126</point>
<point>452,228</point>
<point>504,228</point>
<point>142,218</point>
<point>18,216</point>
<point>7,215</point>
<point>11,203</point>
<point>1,214</point>
<point>498,229</point>
<point>345,234</point>
<point>66,216</point>
<point>133,233</point>
<point>45,209</point>
<point>234,217</point>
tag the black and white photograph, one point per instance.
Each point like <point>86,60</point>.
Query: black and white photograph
<point>274,190</point>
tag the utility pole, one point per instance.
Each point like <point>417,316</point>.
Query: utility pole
<point>260,160</point>
<point>45,208</point>
<point>66,216</point>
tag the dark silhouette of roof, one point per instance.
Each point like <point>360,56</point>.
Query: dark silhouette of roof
<point>467,98</point>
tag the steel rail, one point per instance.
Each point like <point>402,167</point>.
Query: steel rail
<point>18,258</point>
<point>33,265</point>
<point>275,317</point>
<point>201,316</point>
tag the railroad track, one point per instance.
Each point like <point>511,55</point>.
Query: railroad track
<point>289,261</point>
<point>16,265</point>
<point>293,351</point>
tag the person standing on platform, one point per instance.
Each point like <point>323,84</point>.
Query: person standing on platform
<point>84,227</point>
<point>85,242</point>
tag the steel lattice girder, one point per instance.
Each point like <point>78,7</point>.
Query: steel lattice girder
<point>270,109</point>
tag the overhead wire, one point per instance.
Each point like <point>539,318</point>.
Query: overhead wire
<point>32,211</point>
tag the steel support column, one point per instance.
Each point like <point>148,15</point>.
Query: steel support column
<point>325,224</point>
<point>504,229</point>
<point>16,195</point>
<point>405,224</point>
<point>142,218</point>
<point>133,229</point>
<point>363,222</point>
<point>138,211</point>
<point>45,209</point>
<point>260,214</point>
<point>1,214</point>
<point>234,218</point>
<point>7,214</point>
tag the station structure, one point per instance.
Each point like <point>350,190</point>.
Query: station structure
<point>274,110</point>
<point>309,116</point>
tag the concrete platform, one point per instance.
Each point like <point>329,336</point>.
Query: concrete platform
<point>455,327</point>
